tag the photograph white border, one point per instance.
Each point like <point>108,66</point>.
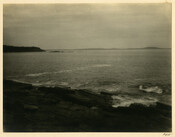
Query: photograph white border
<point>83,134</point>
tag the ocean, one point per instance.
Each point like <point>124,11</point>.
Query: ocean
<point>141,76</point>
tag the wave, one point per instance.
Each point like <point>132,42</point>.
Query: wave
<point>50,83</point>
<point>19,81</point>
<point>37,74</point>
<point>63,71</point>
<point>126,101</point>
<point>119,99</point>
<point>46,73</point>
<point>64,83</point>
<point>154,89</point>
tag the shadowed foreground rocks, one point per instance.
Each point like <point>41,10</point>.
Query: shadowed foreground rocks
<point>36,109</point>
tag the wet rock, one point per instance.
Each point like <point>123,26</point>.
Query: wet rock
<point>94,108</point>
<point>105,93</point>
<point>31,107</point>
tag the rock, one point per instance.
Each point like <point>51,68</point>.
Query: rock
<point>105,93</point>
<point>31,107</point>
<point>94,108</point>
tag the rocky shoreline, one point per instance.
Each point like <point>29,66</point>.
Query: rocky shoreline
<point>28,108</point>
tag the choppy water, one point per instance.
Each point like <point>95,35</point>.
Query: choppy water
<point>119,72</point>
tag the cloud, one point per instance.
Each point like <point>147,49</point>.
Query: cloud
<point>87,25</point>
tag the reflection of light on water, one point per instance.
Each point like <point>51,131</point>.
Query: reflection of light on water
<point>68,70</point>
<point>118,72</point>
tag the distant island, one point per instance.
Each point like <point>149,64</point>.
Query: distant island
<point>152,48</point>
<point>56,51</point>
<point>7,48</point>
<point>123,48</point>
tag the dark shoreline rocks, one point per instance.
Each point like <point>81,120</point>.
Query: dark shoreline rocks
<point>27,108</point>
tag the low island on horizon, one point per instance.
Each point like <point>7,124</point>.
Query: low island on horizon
<point>9,48</point>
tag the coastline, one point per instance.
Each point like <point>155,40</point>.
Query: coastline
<point>30,108</point>
<point>11,49</point>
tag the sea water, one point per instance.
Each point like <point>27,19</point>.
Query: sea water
<point>118,72</point>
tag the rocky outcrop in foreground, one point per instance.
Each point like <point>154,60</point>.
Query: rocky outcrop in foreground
<point>27,108</point>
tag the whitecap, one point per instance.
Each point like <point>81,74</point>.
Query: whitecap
<point>154,89</point>
<point>20,81</point>
<point>64,83</point>
<point>37,74</point>
<point>126,101</point>
<point>46,73</point>
<point>63,71</point>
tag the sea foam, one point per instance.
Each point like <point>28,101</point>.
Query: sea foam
<point>154,89</point>
<point>126,101</point>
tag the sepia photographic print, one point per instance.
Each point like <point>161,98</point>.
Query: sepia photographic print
<point>87,67</point>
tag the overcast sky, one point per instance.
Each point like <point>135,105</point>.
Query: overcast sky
<point>69,26</point>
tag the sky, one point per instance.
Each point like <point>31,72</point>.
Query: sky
<point>72,26</point>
